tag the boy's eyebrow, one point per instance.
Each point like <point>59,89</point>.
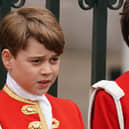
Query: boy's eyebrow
<point>38,56</point>
<point>35,57</point>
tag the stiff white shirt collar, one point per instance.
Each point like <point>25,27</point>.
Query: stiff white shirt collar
<point>43,101</point>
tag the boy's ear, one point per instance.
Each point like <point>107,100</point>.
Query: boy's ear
<point>7,58</point>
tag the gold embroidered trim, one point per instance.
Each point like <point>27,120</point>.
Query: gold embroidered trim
<point>42,119</point>
<point>35,125</point>
<point>11,94</point>
<point>28,109</point>
<point>55,123</point>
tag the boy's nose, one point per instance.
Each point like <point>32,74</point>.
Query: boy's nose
<point>46,69</point>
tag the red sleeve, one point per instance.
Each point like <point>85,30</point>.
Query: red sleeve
<point>104,115</point>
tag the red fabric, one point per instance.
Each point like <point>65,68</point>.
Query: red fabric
<point>65,111</point>
<point>104,114</point>
<point>11,116</point>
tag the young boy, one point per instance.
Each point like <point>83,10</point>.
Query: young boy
<point>109,101</point>
<point>31,43</point>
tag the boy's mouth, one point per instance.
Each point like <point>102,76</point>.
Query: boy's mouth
<point>44,83</point>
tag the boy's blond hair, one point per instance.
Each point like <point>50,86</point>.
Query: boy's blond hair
<point>31,22</point>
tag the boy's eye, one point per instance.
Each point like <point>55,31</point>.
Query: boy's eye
<point>54,59</point>
<point>36,61</point>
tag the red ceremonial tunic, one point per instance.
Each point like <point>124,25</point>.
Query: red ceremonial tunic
<point>19,113</point>
<point>104,114</point>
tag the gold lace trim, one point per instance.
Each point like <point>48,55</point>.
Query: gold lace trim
<point>11,94</point>
<point>55,123</point>
<point>35,125</point>
<point>32,109</point>
<point>28,109</point>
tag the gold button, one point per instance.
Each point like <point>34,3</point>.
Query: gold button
<point>55,123</point>
<point>34,125</point>
<point>28,109</point>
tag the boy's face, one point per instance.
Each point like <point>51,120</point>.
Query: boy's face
<point>35,69</point>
